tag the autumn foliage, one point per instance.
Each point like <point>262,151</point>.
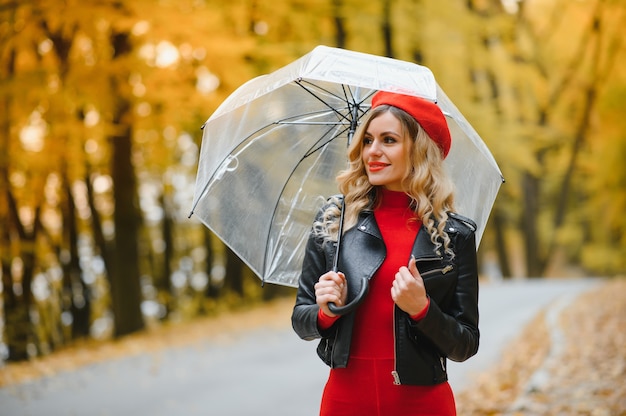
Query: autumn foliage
<point>101,104</point>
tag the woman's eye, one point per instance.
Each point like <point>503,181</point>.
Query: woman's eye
<point>367,140</point>
<point>389,139</point>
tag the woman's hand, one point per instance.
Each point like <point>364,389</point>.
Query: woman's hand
<point>331,287</point>
<point>408,291</point>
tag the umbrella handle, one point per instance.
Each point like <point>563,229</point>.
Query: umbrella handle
<point>351,306</point>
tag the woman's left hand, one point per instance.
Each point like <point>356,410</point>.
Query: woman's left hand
<point>408,291</point>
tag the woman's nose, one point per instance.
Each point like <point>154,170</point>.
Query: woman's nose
<point>375,147</point>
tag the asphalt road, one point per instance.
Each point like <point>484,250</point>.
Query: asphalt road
<point>261,373</point>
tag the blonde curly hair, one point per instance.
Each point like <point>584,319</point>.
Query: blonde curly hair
<point>425,181</point>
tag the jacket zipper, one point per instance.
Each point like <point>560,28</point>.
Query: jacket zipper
<point>332,348</point>
<point>394,372</point>
<point>442,271</point>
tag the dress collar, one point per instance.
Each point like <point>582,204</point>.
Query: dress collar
<point>394,199</point>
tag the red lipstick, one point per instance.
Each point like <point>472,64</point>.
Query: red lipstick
<point>376,166</point>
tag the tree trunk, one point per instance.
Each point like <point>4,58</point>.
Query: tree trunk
<point>74,288</point>
<point>124,275</point>
<point>499,227</point>
<point>212,289</point>
<point>252,17</point>
<point>530,191</point>
<point>18,331</point>
<point>340,25</point>
<point>234,272</point>
<point>19,328</point>
<point>386,29</point>
<point>162,270</point>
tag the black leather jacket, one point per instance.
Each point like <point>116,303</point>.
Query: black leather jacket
<point>450,327</point>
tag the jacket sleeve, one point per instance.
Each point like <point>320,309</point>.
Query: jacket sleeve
<point>305,311</point>
<point>454,331</point>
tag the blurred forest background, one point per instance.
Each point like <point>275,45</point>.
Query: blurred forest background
<point>101,104</point>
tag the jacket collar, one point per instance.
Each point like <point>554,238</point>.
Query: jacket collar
<point>367,224</point>
<point>423,248</point>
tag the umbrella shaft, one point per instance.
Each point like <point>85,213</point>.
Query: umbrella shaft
<point>339,233</point>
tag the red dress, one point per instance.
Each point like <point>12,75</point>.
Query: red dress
<point>366,387</point>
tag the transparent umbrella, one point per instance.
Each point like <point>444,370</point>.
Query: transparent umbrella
<point>271,151</point>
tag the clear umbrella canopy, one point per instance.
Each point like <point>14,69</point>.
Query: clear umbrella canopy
<point>271,152</point>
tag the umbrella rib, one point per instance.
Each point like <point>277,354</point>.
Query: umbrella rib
<point>297,119</point>
<point>310,123</point>
<point>352,101</point>
<point>345,97</point>
<point>315,149</point>
<point>301,82</point>
<point>348,98</point>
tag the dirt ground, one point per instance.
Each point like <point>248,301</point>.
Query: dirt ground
<point>571,364</point>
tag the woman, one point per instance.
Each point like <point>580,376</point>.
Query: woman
<point>389,356</point>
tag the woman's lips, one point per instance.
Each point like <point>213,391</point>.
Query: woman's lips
<point>376,166</point>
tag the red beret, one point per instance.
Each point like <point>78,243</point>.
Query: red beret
<point>426,113</point>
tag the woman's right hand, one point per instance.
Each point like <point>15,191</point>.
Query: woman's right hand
<point>331,287</point>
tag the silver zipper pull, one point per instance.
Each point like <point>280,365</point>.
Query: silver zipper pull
<point>447,269</point>
<point>396,377</point>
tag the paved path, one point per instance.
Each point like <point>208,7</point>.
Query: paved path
<point>261,373</point>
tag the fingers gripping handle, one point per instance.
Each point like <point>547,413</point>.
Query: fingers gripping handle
<point>351,306</point>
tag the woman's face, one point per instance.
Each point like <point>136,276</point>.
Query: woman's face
<point>384,152</point>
